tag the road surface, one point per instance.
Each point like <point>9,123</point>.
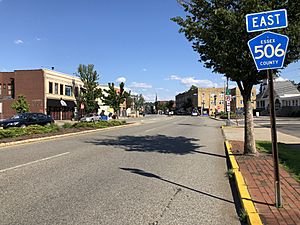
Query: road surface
<point>167,170</point>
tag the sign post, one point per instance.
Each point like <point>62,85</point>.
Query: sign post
<point>268,51</point>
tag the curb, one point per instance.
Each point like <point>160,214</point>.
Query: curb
<point>2,145</point>
<point>247,203</point>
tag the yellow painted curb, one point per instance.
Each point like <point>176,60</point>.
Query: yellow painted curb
<point>2,145</point>
<point>247,203</point>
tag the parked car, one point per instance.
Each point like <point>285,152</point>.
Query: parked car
<point>26,119</point>
<point>90,118</point>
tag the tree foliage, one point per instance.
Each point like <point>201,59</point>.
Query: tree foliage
<point>115,96</point>
<point>217,30</point>
<point>21,105</point>
<point>91,92</point>
<point>139,102</point>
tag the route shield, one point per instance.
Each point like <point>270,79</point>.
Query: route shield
<point>268,50</point>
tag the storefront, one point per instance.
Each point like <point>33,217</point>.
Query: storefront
<point>61,109</point>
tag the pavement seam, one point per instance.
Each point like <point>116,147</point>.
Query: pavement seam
<point>8,144</point>
<point>247,203</point>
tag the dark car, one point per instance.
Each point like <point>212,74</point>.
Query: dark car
<point>26,119</point>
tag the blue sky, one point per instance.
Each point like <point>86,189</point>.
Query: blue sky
<point>131,40</point>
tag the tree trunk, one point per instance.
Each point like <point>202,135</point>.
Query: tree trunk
<point>249,140</point>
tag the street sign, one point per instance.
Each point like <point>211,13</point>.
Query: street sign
<point>228,108</point>
<point>268,50</point>
<point>266,20</point>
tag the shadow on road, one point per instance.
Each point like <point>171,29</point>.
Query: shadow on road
<point>158,143</point>
<point>151,175</point>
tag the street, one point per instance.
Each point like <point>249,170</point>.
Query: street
<point>166,170</point>
<point>287,125</point>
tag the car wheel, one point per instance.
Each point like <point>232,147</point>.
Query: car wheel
<point>48,124</point>
<point>23,126</point>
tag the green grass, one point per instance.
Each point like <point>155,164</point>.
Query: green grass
<point>288,157</point>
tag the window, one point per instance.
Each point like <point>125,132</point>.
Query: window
<point>68,90</point>
<point>9,89</point>
<point>296,102</point>
<point>61,89</point>
<point>293,103</point>
<point>76,92</point>
<point>56,88</point>
<point>0,89</point>
<point>221,102</point>
<point>241,102</point>
<point>50,87</point>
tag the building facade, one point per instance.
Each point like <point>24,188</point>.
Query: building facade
<point>209,101</point>
<point>237,101</point>
<point>286,96</point>
<point>46,91</point>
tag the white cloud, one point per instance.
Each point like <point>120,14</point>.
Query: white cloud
<point>144,69</point>
<point>189,81</point>
<point>38,39</point>
<point>224,78</point>
<point>140,85</point>
<point>281,79</point>
<point>121,79</point>
<point>19,41</point>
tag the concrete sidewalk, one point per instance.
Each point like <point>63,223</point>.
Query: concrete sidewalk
<point>259,178</point>
<point>260,133</point>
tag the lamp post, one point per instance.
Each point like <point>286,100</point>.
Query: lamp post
<point>202,108</point>
<point>215,103</point>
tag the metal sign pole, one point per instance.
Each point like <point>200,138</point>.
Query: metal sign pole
<point>274,140</point>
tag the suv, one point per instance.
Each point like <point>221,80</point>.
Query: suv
<point>26,119</point>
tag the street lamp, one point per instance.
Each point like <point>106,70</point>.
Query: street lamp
<point>215,101</point>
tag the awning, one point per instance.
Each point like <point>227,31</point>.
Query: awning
<point>60,103</point>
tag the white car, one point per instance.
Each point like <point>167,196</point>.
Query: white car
<point>90,118</point>
<point>194,114</point>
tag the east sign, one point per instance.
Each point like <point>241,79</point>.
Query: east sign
<point>266,20</point>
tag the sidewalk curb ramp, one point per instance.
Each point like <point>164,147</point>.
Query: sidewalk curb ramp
<point>247,203</point>
<point>2,145</point>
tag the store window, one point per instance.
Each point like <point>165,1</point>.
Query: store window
<point>50,87</point>
<point>56,88</point>
<point>68,90</point>
<point>61,89</point>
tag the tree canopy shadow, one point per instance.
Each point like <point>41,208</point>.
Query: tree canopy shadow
<point>157,143</point>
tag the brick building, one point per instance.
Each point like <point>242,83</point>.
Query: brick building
<point>46,91</point>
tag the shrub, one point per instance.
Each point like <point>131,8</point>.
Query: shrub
<point>67,125</point>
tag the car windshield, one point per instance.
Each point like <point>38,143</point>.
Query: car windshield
<point>19,116</point>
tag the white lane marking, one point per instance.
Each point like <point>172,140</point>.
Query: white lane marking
<point>150,129</point>
<point>36,161</point>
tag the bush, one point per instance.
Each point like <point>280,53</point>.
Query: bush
<point>34,129</point>
<point>67,125</point>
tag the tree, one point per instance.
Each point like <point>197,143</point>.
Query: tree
<point>170,105</point>
<point>218,33</point>
<point>115,97</point>
<point>188,104</point>
<point>21,105</point>
<point>139,102</point>
<point>91,92</point>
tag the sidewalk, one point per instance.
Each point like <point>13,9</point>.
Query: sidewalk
<point>259,178</point>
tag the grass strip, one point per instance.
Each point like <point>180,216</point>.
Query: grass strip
<point>289,156</point>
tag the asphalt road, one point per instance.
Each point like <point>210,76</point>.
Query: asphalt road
<point>286,125</point>
<point>168,170</point>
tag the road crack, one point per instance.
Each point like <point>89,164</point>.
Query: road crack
<point>176,192</point>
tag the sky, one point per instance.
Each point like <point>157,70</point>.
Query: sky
<point>133,41</point>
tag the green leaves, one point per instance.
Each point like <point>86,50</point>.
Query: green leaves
<point>91,92</point>
<point>114,97</point>
<point>20,105</point>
